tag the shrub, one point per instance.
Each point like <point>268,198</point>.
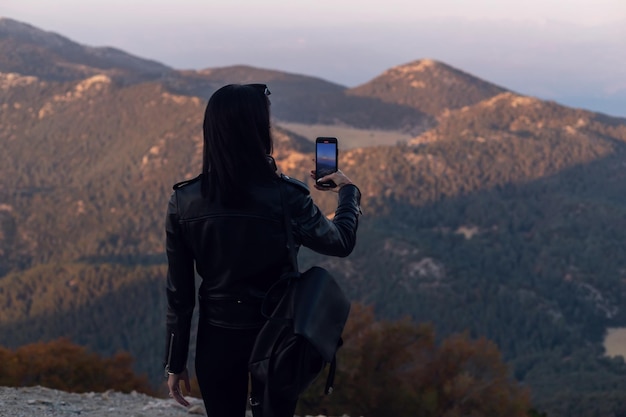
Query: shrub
<point>397,368</point>
<point>63,365</point>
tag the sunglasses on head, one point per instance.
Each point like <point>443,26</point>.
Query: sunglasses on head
<point>261,87</point>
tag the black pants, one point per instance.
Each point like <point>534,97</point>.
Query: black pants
<point>222,370</point>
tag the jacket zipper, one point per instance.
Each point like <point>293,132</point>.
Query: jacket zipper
<point>169,356</point>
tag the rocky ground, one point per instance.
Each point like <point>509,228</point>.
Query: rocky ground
<point>45,402</point>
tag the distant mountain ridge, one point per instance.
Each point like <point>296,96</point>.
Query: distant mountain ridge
<point>504,216</point>
<point>49,56</point>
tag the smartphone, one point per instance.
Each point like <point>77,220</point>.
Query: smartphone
<point>326,153</point>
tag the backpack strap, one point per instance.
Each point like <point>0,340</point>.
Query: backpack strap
<point>288,229</point>
<point>266,404</point>
<point>330,379</point>
<point>285,280</point>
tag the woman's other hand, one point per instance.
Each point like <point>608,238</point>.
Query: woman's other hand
<point>173,384</point>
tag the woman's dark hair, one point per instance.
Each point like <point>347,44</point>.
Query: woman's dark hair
<point>237,142</point>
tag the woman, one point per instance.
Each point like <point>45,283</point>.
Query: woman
<point>228,223</point>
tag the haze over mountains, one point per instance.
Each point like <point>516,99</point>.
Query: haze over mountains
<point>503,215</point>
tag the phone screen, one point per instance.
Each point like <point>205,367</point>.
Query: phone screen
<point>325,157</point>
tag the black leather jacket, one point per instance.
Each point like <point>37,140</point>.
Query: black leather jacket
<point>240,253</point>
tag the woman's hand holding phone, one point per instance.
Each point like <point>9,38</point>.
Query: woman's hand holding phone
<point>326,156</point>
<point>326,159</point>
<point>338,177</point>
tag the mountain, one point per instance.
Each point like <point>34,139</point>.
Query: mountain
<point>503,217</point>
<point>429,86</point>
<point>30,51</point>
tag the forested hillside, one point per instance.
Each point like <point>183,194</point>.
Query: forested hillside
<point>504,217</point>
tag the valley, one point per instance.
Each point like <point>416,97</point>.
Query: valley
<point>349,137</point>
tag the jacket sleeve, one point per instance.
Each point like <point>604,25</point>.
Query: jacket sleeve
<point>317,232</point>
<point>180,291</point>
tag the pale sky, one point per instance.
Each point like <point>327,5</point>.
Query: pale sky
<point>570,51</point>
